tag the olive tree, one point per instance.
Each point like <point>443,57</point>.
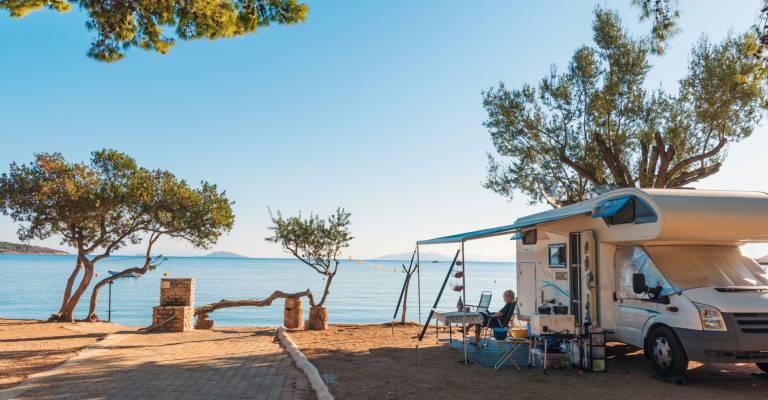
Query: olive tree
<point>120,25</point>
<point>101,206</point>
<point>596,123</point>
<point>317,243</point>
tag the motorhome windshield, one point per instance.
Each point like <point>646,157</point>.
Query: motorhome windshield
<point>688,267</point>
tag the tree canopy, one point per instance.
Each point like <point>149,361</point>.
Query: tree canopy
<point>595,123</point>
<point>316,242</point>
<point>120,25</point>
<point>101,206</point>
<point>664,15</point>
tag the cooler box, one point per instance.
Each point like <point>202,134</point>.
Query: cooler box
<point>542,324</point>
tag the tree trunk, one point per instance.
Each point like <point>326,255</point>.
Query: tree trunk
<point>137,270</point>
<point>68,290</point>
<point>327,289</point>
<point>318,319</point>
<point>67,314</point>
<point>96,289</point>
<point>293,315</point>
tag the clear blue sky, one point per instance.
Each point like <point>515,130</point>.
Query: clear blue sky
<point>374,106</point>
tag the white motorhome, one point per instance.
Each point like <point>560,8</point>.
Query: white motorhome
<point>660,269</point>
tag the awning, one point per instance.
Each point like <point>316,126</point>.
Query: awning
<point>521,223</point>
<point>609,208</point>
<point>463,237</point>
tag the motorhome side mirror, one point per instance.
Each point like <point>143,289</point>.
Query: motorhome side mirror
<point>638,283</point>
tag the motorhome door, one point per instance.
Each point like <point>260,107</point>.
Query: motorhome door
<point>526,287</point>
<point>583,277</point>
<point>589,278</point>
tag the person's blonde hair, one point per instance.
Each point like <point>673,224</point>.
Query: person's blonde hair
<point>509,296</point>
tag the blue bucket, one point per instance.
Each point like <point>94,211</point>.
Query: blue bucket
<point>500,333</point>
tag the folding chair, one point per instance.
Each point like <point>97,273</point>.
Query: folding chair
<point>484,303</point>
<point>504,321</point>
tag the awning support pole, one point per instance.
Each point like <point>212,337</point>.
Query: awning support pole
<point>464,301</point>
<point>405,285</point>
<point>439,295</point>
<point>418,280</point>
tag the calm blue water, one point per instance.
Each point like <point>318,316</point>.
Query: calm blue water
<point>33,285</point>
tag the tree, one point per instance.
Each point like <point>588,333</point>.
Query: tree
<point>170,207</point>
<point>318,244</point>
<point>120,25</point>
<point>596,124</point>
<point>104,205</point>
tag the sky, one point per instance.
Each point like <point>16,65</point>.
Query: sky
<point>372,106</point>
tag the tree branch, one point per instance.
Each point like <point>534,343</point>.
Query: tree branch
<point>209,308</point>
<point>701,157</point>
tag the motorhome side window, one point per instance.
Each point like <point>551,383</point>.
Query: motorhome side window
<point>557,256</point>
<point>530,237</point>
<point>632,260</point>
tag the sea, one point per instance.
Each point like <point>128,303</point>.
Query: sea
<point>363,291</point>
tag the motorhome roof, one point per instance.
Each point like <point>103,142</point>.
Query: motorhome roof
<point>683,215</point>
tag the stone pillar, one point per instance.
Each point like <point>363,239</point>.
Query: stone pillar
<point>318,319</point>
<point>293,317</point>
<point>177,300</point>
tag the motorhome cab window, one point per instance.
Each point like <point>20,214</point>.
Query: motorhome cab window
<point>634,260</point>
<point>721,267</point>
<point>557,256</point>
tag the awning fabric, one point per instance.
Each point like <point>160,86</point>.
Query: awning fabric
<point>609,208</point>
<point>463,237</point>
<point>521,223</point>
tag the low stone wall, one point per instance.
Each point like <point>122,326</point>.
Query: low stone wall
<point>183,318</point>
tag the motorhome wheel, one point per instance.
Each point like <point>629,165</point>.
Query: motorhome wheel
<point>763,366</point>
<point>667,354</point>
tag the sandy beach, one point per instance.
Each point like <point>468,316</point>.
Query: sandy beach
<point>363,362</point>
<point>370,363</point>
<point>30,346</point>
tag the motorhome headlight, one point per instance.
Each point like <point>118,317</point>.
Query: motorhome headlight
<point>711,319</point>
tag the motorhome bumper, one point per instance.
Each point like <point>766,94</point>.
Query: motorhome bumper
<point>745,340</point>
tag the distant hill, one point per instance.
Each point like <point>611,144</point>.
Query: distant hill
<point>225,254</point>
<point>16,248</point>
<point>423,256</point>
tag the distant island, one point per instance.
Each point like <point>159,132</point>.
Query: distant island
<point>423,256</point>
<point>225,254</point>
<point>17,248</point>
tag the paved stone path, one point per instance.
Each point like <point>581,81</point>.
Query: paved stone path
<point>221,364</point>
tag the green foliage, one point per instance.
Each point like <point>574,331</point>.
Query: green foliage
<point>107,203</point>
<point>665,15</point>
<point>596,124</point>
<point>316,242</point>
<point>120,25</point>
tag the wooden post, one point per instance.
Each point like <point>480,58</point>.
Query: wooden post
<point>318,319</point>
<point>293,318</point>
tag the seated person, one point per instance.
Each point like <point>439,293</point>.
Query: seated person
<point>499,319</point>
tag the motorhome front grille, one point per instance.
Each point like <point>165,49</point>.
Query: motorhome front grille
<point>752,322</point>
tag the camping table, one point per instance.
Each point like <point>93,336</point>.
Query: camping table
<point>457,317</point>
<point>513,344</point>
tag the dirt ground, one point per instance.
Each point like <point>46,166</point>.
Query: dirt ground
<point>28,346</point>
<point>368,362</point>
